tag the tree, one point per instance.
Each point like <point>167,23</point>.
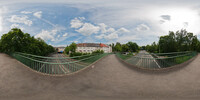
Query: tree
<point>133,47</point>
<point>17,41</point>
<point>118,47</point>
<point>152,48</point>
<point>72,47</point>
<point>181,41</point>
<point>67,49</point>
<point>125,48</point>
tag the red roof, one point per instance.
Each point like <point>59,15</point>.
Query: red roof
<point>91,45</point>
<point>103,45</point>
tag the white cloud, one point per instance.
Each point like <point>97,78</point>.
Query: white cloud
<point>103,27</point>
<point>64,35</point>
<point>88,29</point>
<point>123,30</point>
<point>20,19</point>
<point>185,24</point>
<point>166,17</point>
<point>16,26</point>
<point>25,12</point>
<point>77,22</point>
<point>100,36</point>
<point>38,14</point>
<point>110,30</point>
<point>111,36</point>
<point>47,35</point>
<point>111,33</point>
<point>142,27</point>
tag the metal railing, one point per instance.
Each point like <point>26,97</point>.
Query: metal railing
<point>56,65</point>
<point>158,60</point>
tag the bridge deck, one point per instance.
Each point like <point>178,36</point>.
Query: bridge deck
<point>108,80</point>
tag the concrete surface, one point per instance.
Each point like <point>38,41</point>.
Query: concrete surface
<point>108,80</point>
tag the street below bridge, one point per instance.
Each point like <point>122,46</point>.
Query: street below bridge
<point>143,59</point>
<point>58,67</point>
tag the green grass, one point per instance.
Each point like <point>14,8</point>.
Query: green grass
<point>93,59</point>
<point>182,59</point>
<point>124,57</point>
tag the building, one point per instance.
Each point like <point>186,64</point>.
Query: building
<point>60,49</point>
<point>90,47</point>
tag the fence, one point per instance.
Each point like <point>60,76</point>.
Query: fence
<point>56,65</point>
<point>157,60</point>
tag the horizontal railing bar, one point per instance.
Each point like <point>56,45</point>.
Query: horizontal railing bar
<point>54,57</point>
<point>162,58</point>
<point>56,63</point>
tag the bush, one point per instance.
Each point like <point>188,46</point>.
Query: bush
<point>98,51</point>
<point>75,54</point>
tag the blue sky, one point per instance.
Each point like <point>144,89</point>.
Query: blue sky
<point>62,22</point>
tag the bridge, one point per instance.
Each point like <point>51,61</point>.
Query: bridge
<point>108,79</point>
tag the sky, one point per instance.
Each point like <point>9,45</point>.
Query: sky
<point>61,22</point>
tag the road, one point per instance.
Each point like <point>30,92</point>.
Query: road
<point>142,60</point>
<point>60,68</point>
<point>109,79</point>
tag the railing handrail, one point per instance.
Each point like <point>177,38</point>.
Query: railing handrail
<point>53,57</point>
<point>165,57</point>
<point>166,53</point>
<point>56,63</point>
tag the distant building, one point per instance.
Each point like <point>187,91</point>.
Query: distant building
<point>90,47</point>
<point>60,49</point>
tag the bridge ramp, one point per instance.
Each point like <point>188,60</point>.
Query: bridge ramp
<point>108,79</point>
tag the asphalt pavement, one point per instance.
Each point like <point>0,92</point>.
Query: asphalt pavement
<point>108,79</point>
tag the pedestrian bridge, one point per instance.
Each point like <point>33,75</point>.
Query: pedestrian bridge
<point>108,79</point>
<point>57,64</point>
<point>157,61</point>
<point>60,64</point>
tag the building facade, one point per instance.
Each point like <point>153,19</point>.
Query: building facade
<point>90,47</point>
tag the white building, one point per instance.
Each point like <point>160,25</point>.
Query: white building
<point>90,47</point>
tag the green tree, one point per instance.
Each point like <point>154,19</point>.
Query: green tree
<point>72,47</point>
<point>17,41</point>
<point>118,47</point>
<point>125,48</point>
<point>67,49</point>
<point>133,47</point>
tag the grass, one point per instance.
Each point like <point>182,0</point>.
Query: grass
<point>182,59</point>
<point>124,57</point>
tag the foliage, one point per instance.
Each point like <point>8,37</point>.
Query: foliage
<point>17,41</point>
<point>118,47</point>
<point>67,49</point>
<point>75,54</point>
<point>133,47</point>
<point>98,51</point>
<point>128,47</point>
<point>152,48</point>
<point>175,42</point>
<point>72,47</point>
<point>125,48</point>
<point>124,57</point>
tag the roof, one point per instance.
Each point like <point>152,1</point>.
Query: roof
<point>91,45</point>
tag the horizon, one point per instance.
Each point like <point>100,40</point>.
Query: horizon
<point>102,21</point>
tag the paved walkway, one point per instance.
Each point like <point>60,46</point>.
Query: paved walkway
<point>108,80</point>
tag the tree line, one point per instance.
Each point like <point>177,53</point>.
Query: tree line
<point>17,41</point>
<point>128,47</point>
<point>175,42</point>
